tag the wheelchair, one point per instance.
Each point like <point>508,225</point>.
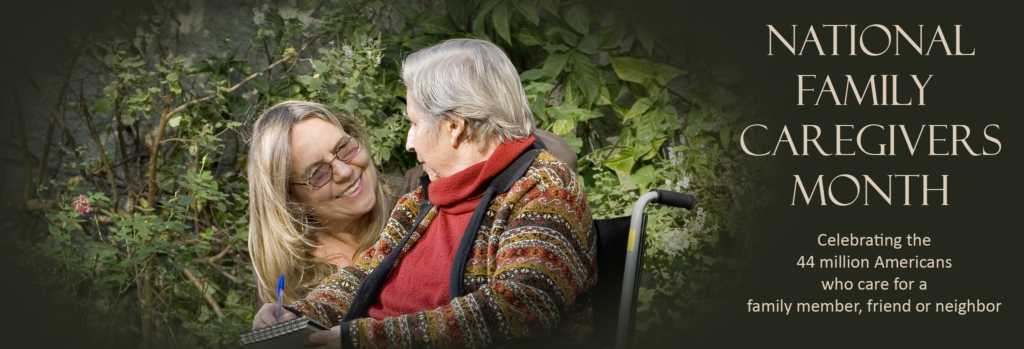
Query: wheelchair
<point>620,259</point>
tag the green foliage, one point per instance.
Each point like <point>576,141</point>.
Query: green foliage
<point>163,251</point>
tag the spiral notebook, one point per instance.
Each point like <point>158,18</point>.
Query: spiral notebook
<point>284,335</point>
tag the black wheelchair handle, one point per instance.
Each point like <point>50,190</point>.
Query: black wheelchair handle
<point>674,199</point>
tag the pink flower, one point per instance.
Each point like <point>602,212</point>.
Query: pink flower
<point>82,204</point>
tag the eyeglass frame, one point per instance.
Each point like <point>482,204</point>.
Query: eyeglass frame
<point>330,164</point>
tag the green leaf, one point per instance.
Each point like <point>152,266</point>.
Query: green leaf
<point>664,73</point>
<point>528,10</point>
<point>643,176</point>
<point>725,95</point>
<point>709,260</point>
<point>646,38</point>
<point>551,6</point>
<point>638,108</point>
<point>110,91</point>
<point>312,83</point>
<point>172,77</point>
<point>645,132</point>
<point>420,42</point>
<point>480,26</point>
<point>411,15</point>
<point>555,63</point>
<point>569,96</point>
<point>529,37</point>
<point>633,69</point>
<point>611,36</point>
<point>562,127</point>
<point>457,10</point>
<point>589,44</point>
<point>487,6</point>
<point>533,74</point>
<point>723,136</point>
<point>101,106</point>
<point>435,23</point>
<point>574,142</point>
<point>654,149</point>
<point>556,48</point>
<point>569,37</point>
<point>110,60</point>
<point>622,162</point>
<point>309,5</point>
<point>586,77</point>
<point>319,66</point>
<point>578,18</point>
<point>499,16</point>
<point>605,98</point>
<point>174,121</point>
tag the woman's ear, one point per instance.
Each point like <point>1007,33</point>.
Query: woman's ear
<point>456,128</point>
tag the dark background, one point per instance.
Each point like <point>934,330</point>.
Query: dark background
<point>979,230</point>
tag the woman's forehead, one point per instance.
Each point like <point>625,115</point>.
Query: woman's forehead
<point>316,127</point>
<point>313,137</point>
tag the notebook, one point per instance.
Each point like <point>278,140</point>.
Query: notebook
<point>284,335</point>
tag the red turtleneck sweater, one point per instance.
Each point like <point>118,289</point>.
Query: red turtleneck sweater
<point>420,279</point>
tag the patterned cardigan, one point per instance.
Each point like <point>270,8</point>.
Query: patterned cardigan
<point>533,258</point>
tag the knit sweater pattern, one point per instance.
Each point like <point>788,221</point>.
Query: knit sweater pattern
<point>533,259</point>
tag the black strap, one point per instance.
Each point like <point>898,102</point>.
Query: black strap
<point>500,184</point>
<point>369,290</point>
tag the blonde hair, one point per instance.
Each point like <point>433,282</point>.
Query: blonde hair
<point>472,79</point>
<point>281,230</point>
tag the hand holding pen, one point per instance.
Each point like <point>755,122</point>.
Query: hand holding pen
<point>272,314</point>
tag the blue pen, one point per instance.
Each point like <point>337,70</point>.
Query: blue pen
<point>280,291</point>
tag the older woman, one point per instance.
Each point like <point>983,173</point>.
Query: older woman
<point>529,261</point>
<point>315,198</point>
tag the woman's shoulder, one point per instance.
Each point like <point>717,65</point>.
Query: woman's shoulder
<point>547,171</point>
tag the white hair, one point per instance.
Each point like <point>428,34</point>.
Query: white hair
<point>472,79</point>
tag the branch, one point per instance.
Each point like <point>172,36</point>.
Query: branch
<point>199,286</point>
<point>24,144</point>
<point>99,146</point>
<point>46,154</point>
<point>167,116</point>
<point>212,259</point>
<point>121,144</point>
<point>56,116</point>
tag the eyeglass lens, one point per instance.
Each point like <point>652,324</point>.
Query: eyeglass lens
<point>324,172</point>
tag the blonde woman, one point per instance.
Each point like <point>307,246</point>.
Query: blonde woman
<point>315,197</point>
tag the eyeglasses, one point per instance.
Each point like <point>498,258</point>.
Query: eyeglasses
<point>324,172</point>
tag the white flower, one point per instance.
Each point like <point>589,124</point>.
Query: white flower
<point>260,14</point>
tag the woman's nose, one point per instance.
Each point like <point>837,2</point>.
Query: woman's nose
<point>342,171</point>
<point>409,141</point>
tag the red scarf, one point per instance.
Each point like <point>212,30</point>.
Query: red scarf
<point>420,280</point>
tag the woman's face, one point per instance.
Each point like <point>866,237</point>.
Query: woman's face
<point>349,193</point>
<point>434,154</point>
